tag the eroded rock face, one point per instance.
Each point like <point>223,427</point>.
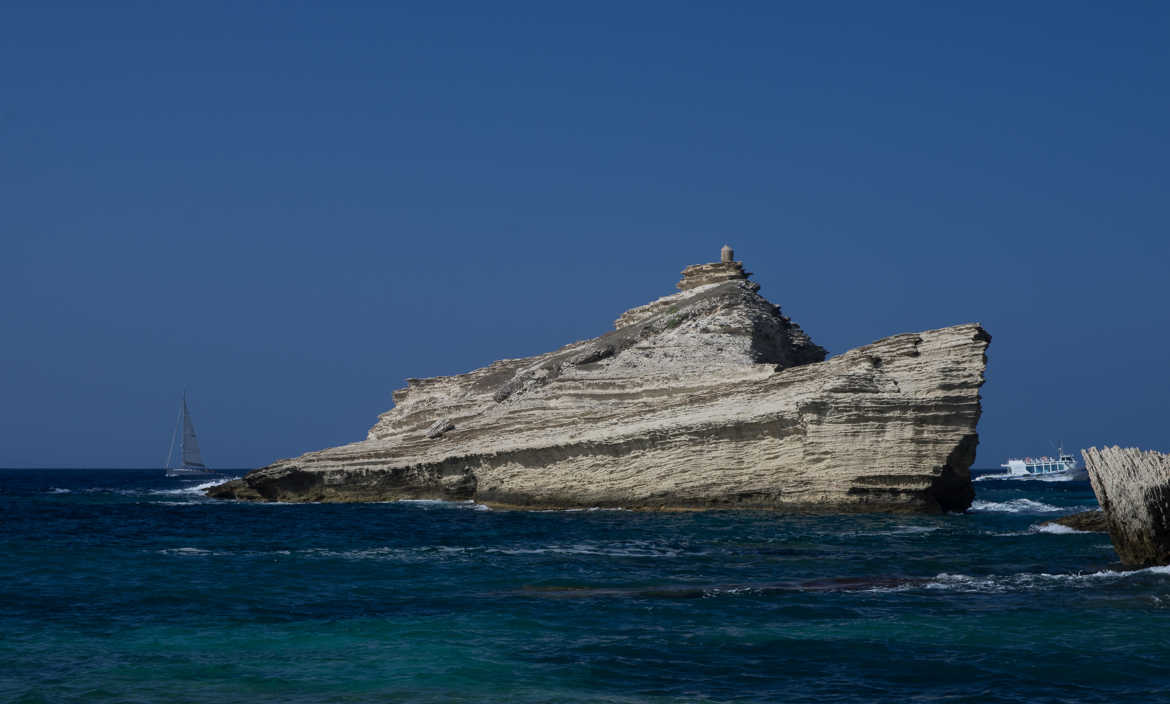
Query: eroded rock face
<point>1133,488</point>
<point>708,398</point>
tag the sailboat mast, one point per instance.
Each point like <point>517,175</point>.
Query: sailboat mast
<point>183,436</point>
<point>174,433</point>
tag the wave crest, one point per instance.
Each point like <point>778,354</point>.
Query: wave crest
<point>1014,506</point>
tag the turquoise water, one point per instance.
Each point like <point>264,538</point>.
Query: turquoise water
<point>124,586</point>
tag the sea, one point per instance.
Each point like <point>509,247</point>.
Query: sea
<point>126,586</point>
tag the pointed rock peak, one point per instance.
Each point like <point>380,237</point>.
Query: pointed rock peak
<point>726,269</point>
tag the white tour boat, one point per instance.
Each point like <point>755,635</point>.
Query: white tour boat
<point>1063,463</point>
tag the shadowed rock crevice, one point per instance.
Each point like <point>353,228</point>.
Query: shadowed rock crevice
<point>952,489</point>
<point>707,398</point>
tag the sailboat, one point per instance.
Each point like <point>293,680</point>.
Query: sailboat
<point>190,461</point>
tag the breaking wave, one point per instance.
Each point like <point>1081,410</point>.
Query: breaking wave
<point>591,509</point>
<point>431,553</point>
<point>185,552</point>
<point>440,503</point>
<point>1056,529</point>
<point>1025,581</point>
<point>629,549</point>
<point>196,489</point>
<point>900,530</point>
<point>1014,506</point>
<point>1048,528</point>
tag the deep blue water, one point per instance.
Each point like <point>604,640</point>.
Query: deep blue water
<point>124,586</point>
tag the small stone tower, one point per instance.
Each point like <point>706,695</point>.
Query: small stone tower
<point>726,269</point>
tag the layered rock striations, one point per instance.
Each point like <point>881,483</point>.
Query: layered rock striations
<point>707,398</point>
<point>1133,488</point>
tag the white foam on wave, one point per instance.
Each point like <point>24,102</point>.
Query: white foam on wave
<point>214,482</point>
<point>904,530</point>
<point>635,548</point>
<point>59,490</point>
<point>405,554</point>
<point>1014,506</point>
<point>368,554</point>
<point>1025,581</point>
<point>203,552</point>
<point>729,591</point>
<point>244,502</point>
<point>185,552</point>
<point>196,489</point>
<point>1049,528</point>
<point>1056,529</point>
<point>899,530</point>
<point>591,509</point>
<point>441,503</point>
<point>631,549</point>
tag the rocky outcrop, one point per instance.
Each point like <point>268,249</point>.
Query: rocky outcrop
<point>1133,488</point>
<point>707,398</point>
<point>713,273</point>
<point>726,269</point>
<point>1088,521</point>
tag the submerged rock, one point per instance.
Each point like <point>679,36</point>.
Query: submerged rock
<point>1133,488</point>
<point>707,398</point>
<point>1089,521</point>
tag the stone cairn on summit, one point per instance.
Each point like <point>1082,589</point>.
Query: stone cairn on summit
<point>726,269</point>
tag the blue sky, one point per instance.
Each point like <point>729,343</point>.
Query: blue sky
<point>291,207</point>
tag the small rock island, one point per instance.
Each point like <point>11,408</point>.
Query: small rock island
<point>1133,487</point>
<point>707,398</point>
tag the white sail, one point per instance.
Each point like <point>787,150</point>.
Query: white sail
<point>190,444</point>
<point>190,462</point>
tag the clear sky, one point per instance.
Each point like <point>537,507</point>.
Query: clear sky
<point>290,207</point>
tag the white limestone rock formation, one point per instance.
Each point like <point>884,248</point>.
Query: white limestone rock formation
<point>708,398</point>
<point>1133,488</point>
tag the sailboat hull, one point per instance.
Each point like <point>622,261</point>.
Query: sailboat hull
<point>190,472</point>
